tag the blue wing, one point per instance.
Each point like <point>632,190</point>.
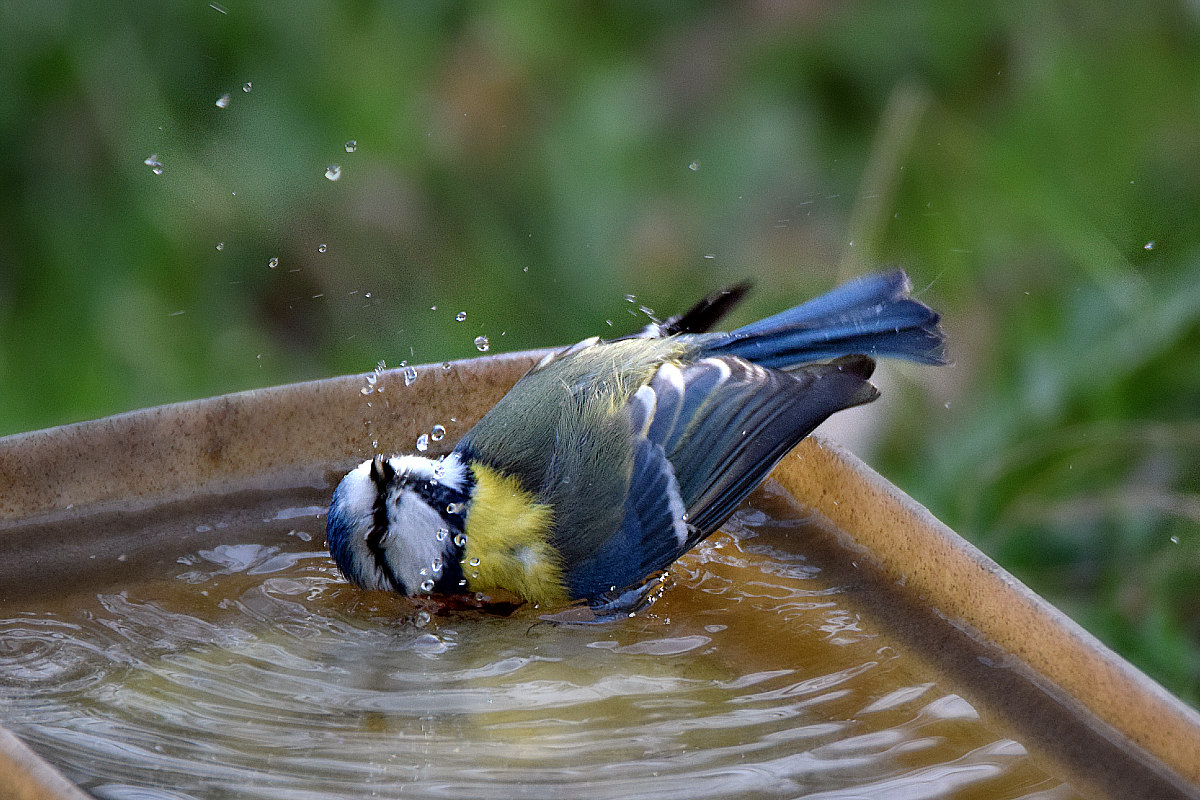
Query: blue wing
<point>724,423</point>
<point>704,436</point>
<point>652,532</point>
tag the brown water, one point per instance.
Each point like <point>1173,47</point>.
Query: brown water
<point>245,667</point>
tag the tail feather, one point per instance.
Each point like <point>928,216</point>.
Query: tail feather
<point>873,315</point>
<point>700,318</point>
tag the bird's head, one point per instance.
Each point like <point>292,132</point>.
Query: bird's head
<point>397,524</point>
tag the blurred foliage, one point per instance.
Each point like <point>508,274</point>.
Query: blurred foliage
<point>1035,166</point>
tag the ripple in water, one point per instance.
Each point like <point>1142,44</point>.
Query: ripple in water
<point>254,671</point>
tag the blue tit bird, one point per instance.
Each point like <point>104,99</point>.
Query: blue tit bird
<point>609,460</point>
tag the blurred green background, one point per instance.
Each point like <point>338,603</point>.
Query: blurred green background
<point>1036,168</point>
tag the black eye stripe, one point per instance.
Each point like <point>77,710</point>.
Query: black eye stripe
<point>442,498</point>
<point>452,573</point>
<point>379,527</point>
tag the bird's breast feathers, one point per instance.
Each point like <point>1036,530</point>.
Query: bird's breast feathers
<point>508,541</point>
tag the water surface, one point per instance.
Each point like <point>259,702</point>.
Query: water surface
<point>247,668</point>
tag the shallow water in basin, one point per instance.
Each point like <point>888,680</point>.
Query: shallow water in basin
<point>247,668</point>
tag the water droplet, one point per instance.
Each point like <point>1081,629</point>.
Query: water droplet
<point>454,508</point>
<point>947,404</point>
<point>695,165</point>
<point>460,316</point>
<point>423,571</point>
<point>423,445</point>
<point>482,344</point>
<point>220,245</point>
<point>1149,245</point>
<point>374,376</point>
<point>273,263</point>
<point>333,172</point>
<point>436,564</point>
<point>474,562</point>
<point>410,376</point>
<point>710,255</point>
<point>475,574</point>
<point>247,86</point>
<point>631,298</point>
<point>442,533</point>
<point>1174,540</point>
<point>321,248</point>
<point>438,433</point>
<point>223,100</point>
<point>422,617</point>
<point>460,539</point>
<point>445,365</point>
<point>154,164</point>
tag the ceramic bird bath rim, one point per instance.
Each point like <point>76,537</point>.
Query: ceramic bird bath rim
<point>1100,722</point>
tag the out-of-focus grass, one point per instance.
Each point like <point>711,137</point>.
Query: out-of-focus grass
<point>1036,168</point>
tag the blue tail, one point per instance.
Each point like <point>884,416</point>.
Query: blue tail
<point>872,315</point>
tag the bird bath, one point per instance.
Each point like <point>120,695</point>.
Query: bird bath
<point>171,627</point>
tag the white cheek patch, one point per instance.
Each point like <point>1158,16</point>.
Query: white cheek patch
<point>411,543</point>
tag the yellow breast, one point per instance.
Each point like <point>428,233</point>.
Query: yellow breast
<point>508,541</point>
